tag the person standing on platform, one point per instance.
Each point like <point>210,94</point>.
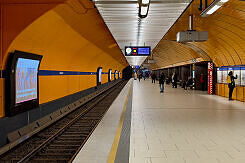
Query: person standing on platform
<point>202,81</point>
<point>153,77</point>
<point>172,80</point>
<point>139,76</point>
<point>231,83</point>
<point>175,80</point>
<point>161,82</point>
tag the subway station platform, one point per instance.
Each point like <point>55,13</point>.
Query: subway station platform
<point>177,126</point>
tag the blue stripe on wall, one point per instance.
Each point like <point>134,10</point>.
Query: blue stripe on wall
<point>54,73</point>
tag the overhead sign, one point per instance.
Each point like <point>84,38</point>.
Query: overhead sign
<point>137,50</point>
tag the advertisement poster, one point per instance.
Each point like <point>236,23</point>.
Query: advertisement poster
<point>219,75</point>
<point>243,76</point>
<point>26,79</point>
<point>237,72</point>
<point>225,74</point>
<point>210,78</point>
<point>100,71</point>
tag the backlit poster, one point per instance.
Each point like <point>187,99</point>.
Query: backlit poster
<point>225,74</point>
<point>26,79</point>
<point>210,78</point>
<point>219,75</point>
<point>109,75</point>
<point>100,71</point>
<point>115,75</point>
<point>237,72</point>
<point>243,76</point>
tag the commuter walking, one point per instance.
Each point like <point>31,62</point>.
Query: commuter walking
<point>139,76</point>
<point>231,83</point>
<point>202,81</point>
<point>174,80</point>
<point>161,82</point>
<point>153,77</point>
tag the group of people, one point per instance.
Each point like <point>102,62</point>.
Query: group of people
<point>230,80</point>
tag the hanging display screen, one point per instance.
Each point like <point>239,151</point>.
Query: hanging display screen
<point>26,79</point>
<point>137,50</point>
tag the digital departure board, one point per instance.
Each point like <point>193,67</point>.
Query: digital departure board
<point>137,50</point>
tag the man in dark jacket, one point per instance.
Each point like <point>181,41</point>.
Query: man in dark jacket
<point>231,83</point>
<point>161,82</point>
<point>153,77</point>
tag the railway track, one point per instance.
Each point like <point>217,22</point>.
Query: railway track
<point>61,141</point>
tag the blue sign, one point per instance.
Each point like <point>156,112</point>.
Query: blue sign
<point>137,50</point>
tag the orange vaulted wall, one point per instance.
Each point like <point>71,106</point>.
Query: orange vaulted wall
<point>226,31</point>
<point>71,37</point>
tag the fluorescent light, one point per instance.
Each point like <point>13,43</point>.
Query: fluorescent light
<point>213,9</point>
<point>143,10</point>
<point>145,1</point>
<point>215,5</point>
<point>223,1</point>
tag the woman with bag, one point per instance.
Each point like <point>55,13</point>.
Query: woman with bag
<point>231,83</point>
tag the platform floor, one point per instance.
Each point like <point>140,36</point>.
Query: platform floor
<point>177,126</point>
<point>180,126</point>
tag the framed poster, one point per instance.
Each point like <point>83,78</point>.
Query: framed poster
<point>243,76</point>
<point>22,82</point>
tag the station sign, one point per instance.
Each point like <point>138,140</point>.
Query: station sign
<point>137,50</point>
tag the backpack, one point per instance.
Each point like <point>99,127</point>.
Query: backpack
<point>228,79</point>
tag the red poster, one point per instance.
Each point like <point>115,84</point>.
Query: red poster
<point>210,78</point>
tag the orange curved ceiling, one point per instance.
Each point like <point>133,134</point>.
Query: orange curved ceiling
<point>226,42</point>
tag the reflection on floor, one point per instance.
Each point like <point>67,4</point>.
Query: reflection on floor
<point>182,126</point>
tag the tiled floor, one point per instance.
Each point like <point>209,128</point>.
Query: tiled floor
<point>182,126</point>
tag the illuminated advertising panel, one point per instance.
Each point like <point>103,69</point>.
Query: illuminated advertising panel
<point>225,74</point>
<point>219,75</point>
<point>243,76</point>
<point>137,50</point>
<point>22,85</point>
<point>237,72</point>
<point>99,72</point>
<point>119,75</point>
<point>109,75</point>
<point>26,79</point>
<point>115,75</point>
<point>210,77</point>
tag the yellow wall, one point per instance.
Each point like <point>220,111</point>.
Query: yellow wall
<point>238,93</point>
<point>66,45</point>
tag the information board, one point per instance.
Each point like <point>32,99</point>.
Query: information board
<point>137,50</point>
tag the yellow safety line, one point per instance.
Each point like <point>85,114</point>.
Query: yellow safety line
<point>114,146</point>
